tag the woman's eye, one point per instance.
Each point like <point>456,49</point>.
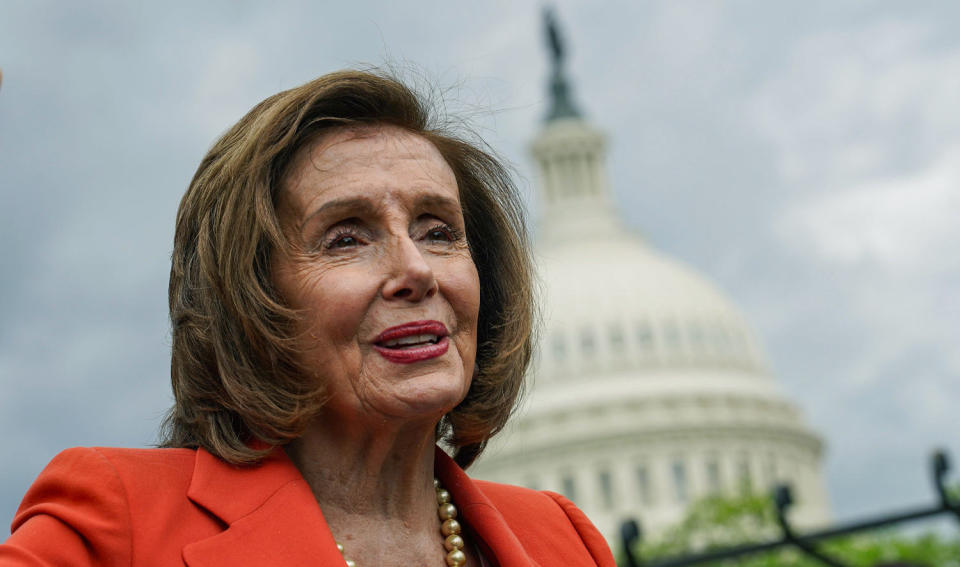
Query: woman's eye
<point>443,233</point>
<point>343,240</point>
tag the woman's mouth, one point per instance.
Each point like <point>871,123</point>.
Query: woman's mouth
<point>413,342</point>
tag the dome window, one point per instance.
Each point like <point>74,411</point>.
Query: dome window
<point>745,477</point>
<point>605,483</point>
<point>616,337</point>
<point>714,483</point>
<point>680,489</point>
<point>671,335</point>
<point>697,342</point>
<point>587,342</point>
<point>643,485</point>
<point>644,336</point>
<point>770,470</point>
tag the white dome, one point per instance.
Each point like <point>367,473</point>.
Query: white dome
<point>614,300</point>
<point>649,388</point>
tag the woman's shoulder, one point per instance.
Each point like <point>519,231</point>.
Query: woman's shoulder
<point>521,498</point>
<point>496,490</point>
<point>147,456</point>
<point>521,501</point>
<point>544,516</point>
<point>103,474</point>
<point>124,463</point>
<point>89,501</point>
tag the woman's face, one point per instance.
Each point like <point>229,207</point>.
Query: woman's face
<point>381,272</point>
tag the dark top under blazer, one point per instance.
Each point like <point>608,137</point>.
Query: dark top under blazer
<point>139,507</point>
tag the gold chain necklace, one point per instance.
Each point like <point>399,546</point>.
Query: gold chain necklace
<point>450,528</point>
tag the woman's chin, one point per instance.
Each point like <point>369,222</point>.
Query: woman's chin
<point>421,401</point>
<point>431,405</point>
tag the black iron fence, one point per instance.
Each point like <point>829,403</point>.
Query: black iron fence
<point>789,538</point>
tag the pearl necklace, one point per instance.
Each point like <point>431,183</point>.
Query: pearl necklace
<point>450,528</point>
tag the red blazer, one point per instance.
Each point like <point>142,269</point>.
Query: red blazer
<point>186,507</point>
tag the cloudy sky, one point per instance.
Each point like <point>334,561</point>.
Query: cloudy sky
<point>804,156</point>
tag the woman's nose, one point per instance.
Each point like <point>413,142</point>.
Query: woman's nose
<point>411,277</point>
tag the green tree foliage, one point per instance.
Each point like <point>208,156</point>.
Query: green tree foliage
<point>719,522</point>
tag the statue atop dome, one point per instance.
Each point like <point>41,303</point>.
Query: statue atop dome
<point>561,103</point>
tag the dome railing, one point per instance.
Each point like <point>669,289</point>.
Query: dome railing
<point>631,533</point>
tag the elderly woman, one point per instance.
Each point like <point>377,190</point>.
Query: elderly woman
<point>350,285</point>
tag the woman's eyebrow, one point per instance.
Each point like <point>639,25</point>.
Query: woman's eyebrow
<point>430,201</point>
<point>354,206</point>
<point>345,205</point>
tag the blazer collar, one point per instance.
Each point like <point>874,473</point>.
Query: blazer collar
<point>272,518</point>
<point>480,517</point>
<point>271,515</point>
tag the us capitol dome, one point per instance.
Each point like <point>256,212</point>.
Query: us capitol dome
<point>649,390</point>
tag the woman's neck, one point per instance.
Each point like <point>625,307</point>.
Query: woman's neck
<point>375,490</point>
<point>387,472</point>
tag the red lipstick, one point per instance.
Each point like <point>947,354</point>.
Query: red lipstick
<point>413,342</point>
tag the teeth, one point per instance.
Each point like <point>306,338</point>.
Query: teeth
<point>411,340</point>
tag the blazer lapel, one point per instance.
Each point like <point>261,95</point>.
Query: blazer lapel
<point>270,514</point>
<point>480,516</point>
<point>272,518</point>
